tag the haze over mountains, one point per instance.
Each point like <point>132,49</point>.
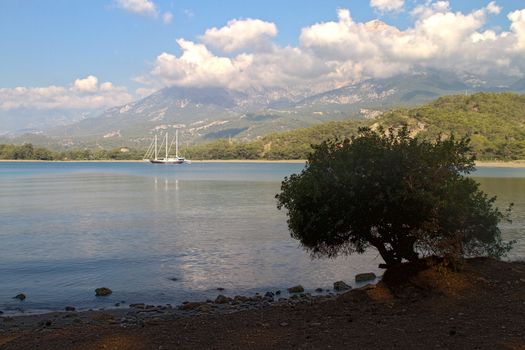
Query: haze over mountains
<point>207,113</point>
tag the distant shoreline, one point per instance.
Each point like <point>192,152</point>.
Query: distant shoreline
<point>141,161</point>
<point>480,164</point>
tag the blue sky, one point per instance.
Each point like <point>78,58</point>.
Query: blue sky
<point>55,42</point>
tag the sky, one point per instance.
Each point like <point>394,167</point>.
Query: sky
<point>101,53</point>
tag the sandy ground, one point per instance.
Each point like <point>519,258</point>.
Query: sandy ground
<point>495,164</point>
<point>480,307</point>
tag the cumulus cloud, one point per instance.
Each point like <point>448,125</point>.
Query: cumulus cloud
<point>387,5</point>
<point>107,86</point>
<point>240,34</point>
<point>82,94</point>
<point>493,8</point>
<point>431,8</point>
<point>88,84</point>
<point>198,66</point>
<point>140,7</point>
<point>242,53</point>
<point>517,19</point>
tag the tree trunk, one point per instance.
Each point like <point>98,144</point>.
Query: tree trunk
<point>406,249</point>
<point>402,250</point>
<point>387,255</point>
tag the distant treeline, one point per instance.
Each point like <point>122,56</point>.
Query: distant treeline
<point>495,123</point>
<point>30,152</point>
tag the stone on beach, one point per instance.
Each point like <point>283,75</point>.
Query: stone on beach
<point>191,305</point>
<point>296,289</point>
<point>340,286</point>
<point>205,308</point>
<point>221,299</point>
<point>103,291</point>
<point>365,277</point>
<point>20,296</point>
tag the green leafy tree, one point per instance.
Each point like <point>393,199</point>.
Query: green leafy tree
<point>406,197</point>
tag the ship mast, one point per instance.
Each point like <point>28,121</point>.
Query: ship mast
<point>166,145</point>
<point>176,143</point>
<point>155,146</point>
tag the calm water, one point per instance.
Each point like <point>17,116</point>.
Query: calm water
<point>68,228</point>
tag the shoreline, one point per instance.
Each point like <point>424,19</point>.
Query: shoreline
<point>480,163</point>
<point>360,280</point>
<point>291,161</point>
<point>478,306</point>
<point>140,314</point>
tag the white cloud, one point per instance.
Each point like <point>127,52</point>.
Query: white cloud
<point>517,26</point>
<point>82,94</point>
<point>143,92</point>
<point>88,84</point>
<point>198,66</point>
<point>388,5</point>
<point>493,8</point>
<point>242,54</point>
<point>238,34</point>
<point>334,53</point>
<point>167,17</point>
<point>107,86</point>
<point>140,7</point>
<point>430,8</point>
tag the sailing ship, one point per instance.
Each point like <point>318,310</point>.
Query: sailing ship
<point>152,153</point>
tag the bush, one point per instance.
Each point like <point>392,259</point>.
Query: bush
<point>406,197</point>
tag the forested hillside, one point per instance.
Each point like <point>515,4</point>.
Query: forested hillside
<point>495,122</point>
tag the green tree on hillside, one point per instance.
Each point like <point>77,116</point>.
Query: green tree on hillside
<point>406,197</point>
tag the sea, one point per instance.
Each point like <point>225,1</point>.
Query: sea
<point>160,234</point>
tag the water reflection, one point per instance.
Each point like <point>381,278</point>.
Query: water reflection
<point>68,229</point>
<point>509,190</point>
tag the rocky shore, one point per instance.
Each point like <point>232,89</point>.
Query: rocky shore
<point>140,314</point>
<point>481,306</point>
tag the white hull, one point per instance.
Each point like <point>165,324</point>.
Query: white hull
<point>168,161</point>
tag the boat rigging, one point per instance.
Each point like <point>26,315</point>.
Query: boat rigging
<point>152,154</point>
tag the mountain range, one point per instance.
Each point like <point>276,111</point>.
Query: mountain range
<point>207,113</point>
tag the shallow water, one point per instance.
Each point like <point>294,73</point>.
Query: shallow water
<point>68,228</point>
